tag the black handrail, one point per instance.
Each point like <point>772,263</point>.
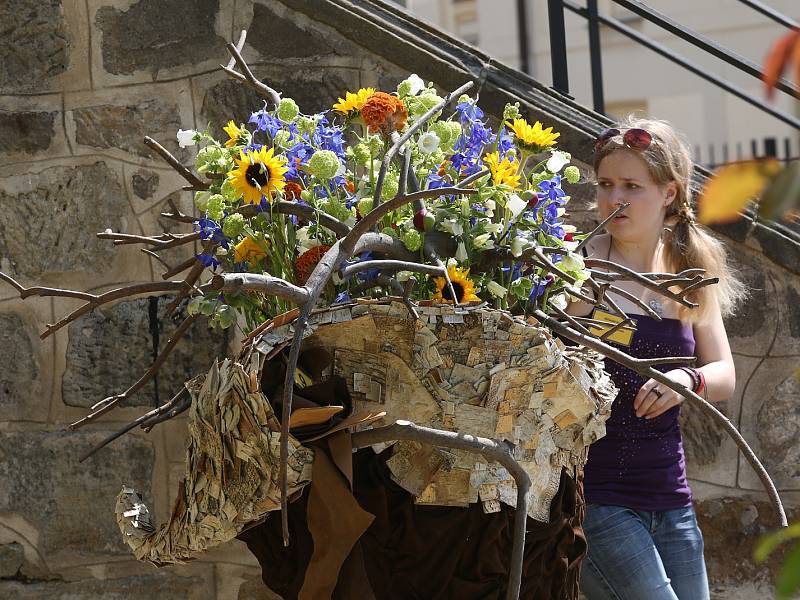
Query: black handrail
<point>771,13</point>
<point>558,52</point>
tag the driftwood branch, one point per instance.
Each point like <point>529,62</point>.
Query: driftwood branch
<point>391,265</point>
<point>266,284</point>
<point>246,76</point>
<point>644,368</point>
<point>499,451</point>
<point>195,182</point>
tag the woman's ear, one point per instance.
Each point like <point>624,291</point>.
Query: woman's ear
<point>670,193</point>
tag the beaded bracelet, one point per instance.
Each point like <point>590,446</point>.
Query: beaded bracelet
<point>698,379</point>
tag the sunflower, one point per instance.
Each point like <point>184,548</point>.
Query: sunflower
<point>249,250</point>
<point>234,134</point>
<point>503,171</point>
<point>258,173</point>
<point>353,102</point>
<point>462,285</point>
<point>533,138</point>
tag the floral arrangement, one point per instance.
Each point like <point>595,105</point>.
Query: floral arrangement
<point>330,163</point>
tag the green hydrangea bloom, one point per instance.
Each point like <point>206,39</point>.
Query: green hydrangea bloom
<point>212,158</point>
<point>419,105</point>
<point>375,144</point>
<point>306,125</point>
<point>412,239</point>
<point>361,154</point>
<point>364,206</point>
<point>216,207</point>
<point>282,138</point>
<point>323,164</point>
<point>233,225</point>
<point>287,110</point>
<point>389,231</point>
<point>201,200</point>
<point>572,174</point>
<point>228,191</point>
<point>336,209</point>
<point>511,112</point>
<point>391,184</point>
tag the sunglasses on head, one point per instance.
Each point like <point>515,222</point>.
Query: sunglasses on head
<point>634,138</point>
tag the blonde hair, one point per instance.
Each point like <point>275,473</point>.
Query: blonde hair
<point>687,244</point>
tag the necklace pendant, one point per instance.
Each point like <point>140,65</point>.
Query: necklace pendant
<point>657,307</point>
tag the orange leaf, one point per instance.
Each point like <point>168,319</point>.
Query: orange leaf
<point>732,187</point>
<point>780,56</point>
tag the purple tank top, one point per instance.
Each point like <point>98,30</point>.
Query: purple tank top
<point>640,463</point>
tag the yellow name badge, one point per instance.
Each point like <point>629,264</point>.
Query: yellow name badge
<point>301,378</point>
<point>623,335</point>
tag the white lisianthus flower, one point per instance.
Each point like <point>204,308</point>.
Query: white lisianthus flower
<point>416,84</point>
<point>494,227</point>
<point>560,301</point>
<point>489,205</point>
<point>558,160</point>
<point>186,137</point>
<point>461,252</point>
<point>560,211</point>
<point>428,142</point>
<point>483,242</point>
<point>496,290</point>
<point>451,226</point>
<point>519,244</point>
<point>516,205</point>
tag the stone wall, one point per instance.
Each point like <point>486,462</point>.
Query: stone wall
<point>81,83</point>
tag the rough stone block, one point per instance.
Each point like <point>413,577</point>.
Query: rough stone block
<point>153,35</point>
<point>164,586</point>
<point>70,505</point>
<point>228,100</point>
<point>20,386</point>
<point>11,558</point>
<point>51,218</point>
<point>28,132</point>
<point>124,127</point>
<point>110,348</point>
<point>34,45</point>
<point>275,32</point>
<point>752,328</point>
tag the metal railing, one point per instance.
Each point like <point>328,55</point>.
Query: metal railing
<point>558,50</point>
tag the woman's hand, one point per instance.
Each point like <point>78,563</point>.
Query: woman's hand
<point>655,398</point>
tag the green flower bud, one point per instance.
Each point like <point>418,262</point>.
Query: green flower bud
<point>412,239</point>
<point>211,158</point>
<point>201,200</point>
<point>287,110</point>
<point>375,144</point>
<point>572,174</point>
<point>361,154</point>
<point>282,138</point>
<point>306,124</point>
<point>216,207</point>
<point>307,196</point>
<point>391,184</point>
<point>228,191</point>
<point>364,206</point>
<point>225,316</point>
<point>233,225</point>
<point>464,98</point>
<point>324,164</point>
<point>404,88</point>
<point>511,112</point>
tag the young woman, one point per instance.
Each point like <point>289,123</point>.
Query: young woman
<point>642,534</point>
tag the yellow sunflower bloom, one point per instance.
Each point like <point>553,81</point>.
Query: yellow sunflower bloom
<point>503,171</point>
<point>533,137</point>
<point>258,173</point>
<point>463,286</point>
<point>353,102</point>
<point>234,133</point>
<point>248,250</point>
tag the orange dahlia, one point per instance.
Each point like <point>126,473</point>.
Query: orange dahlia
<point>384,112</point>
<point>306,262</point>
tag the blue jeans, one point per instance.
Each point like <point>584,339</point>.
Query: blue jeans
<point>636,555</point>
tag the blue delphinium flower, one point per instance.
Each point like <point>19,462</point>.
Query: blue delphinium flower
<point>505,143</point>
<point>211,230</point>
<point>266,122</point>
<point>551,189</point>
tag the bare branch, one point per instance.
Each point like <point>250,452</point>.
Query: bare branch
<point>196,182</point>
<point>499,451</point>
<point>247,76</point>
<point>179,268</point>
<point>267,284</point>
<point>107,404</point>
<point>391,265</point>
<point>601,226</point>
<point>25,292</point>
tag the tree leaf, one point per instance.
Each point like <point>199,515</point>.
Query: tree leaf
<point>769,542</point>
<point>732,187</point>
<point>788,582</point>
<point>782,194</point>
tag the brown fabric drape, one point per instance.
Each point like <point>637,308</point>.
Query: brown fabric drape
<point>426,552</point>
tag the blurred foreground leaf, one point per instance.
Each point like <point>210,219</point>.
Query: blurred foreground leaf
<point>782,194</point>
<point>732,187</point>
